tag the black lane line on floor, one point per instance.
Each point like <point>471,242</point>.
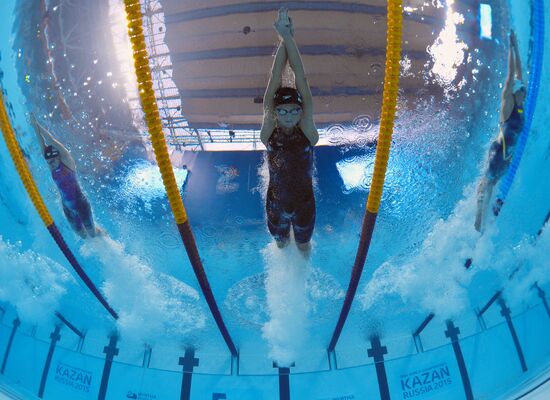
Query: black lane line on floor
<point>507,314</point>
<point>110,352</point>
<point>377,352</point>
<point>16,323</point>
<point>452,333</point>
<point>188,362</point>
<point>54,336</point>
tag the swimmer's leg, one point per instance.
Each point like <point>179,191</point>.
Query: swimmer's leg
<point>85,214</point>
<point>480,201</point>
<point>281,243</point>
<point>277,222</point>
<point>303,224</point>
<point>75,221</point>
<point>484,193</point>
<point>495,170</point>
<point>305,249</point>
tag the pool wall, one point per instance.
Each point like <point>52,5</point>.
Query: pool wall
<point>480,366</point>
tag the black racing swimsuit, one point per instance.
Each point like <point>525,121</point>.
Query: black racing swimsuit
<point>502,149</point>
<point>290,193</point>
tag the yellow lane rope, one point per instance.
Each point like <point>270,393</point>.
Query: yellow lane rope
<point>389,102</point>
<point>150,108</point>
<point>21,165</point>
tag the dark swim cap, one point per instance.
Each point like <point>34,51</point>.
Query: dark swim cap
<point>50,152</point>
<point>287,95</point>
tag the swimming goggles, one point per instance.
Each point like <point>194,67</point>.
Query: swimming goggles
<point>284,111</point>
<point>50,152</point>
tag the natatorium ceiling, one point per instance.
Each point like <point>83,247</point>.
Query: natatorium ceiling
<point>222,52</point>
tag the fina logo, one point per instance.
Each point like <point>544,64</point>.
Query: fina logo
<point>425,381</point>
<point>140,396</point>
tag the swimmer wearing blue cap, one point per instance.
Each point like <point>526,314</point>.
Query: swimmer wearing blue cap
<point>511,125</point>
<point>63,169</point>
<point>289,134</point>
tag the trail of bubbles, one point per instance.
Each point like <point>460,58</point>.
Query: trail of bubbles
<point>287,302</point>
<point>434,279</point>
<point>32,283</point>
<point>150,304</point>
<point>246,299</point>
<point>533,266</point>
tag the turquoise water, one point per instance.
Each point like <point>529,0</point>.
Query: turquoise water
<point>277,306</point>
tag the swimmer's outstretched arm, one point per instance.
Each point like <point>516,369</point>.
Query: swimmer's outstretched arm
<point>268,123</point>
<point>45,136</point>
<point>507,100</point>
<point>511,67</point>
<point>37,131</point>
<point>517,58</point>
<point>285,29</point>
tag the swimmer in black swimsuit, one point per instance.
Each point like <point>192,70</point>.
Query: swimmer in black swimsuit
<point>511,125</point>
<point>63,169</point>
<point>289,134</point>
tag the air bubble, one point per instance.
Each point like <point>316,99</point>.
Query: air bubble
<point>362,123</point>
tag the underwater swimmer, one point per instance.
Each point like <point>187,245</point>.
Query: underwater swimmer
<point>511,125</point>
<point>63,169</point>
<point>289,134</point>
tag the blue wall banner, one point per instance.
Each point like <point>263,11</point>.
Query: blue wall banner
<point>138,383</point>
<point>430,375</point>
<point>345,384</point>
<point>26,361</point>
<point>73,375</point>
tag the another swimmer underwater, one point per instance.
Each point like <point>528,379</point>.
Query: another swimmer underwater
<point>289,134</point>
<point>511,125</point>
<point>63,169</point>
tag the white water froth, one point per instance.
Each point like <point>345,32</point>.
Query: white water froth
<point>435,279</point>
<point>531,259</point>
<point>287,302</point>
<point>32,283</point>
<point>150,304</point>
<point>246,300</point>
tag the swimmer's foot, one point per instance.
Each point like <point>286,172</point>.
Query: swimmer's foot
<point>477,224</point>
<point>305,249</point>
<point>282,243</point>
<point>95,231</point>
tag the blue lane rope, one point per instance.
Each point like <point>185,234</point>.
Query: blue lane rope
<point>531,101</point>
